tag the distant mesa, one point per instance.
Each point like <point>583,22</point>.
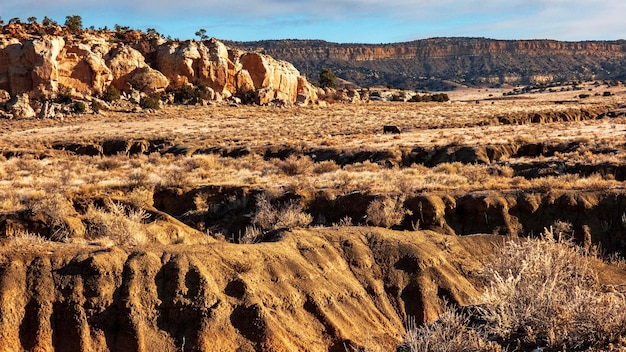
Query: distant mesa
<point>443,63</point>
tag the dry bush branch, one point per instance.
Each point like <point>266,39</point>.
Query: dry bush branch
<point>121,223</point>
<point>273,217</point>
<point>386,212</point>
<point>541,293</point>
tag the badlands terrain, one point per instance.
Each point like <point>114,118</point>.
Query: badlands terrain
<point>223,228</point>
<point>158,195</point>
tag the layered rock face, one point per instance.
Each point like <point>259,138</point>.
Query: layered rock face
<point>89,62</point>
<point>462,60</point>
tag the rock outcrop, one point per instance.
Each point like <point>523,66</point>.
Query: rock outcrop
<point>43,64</point>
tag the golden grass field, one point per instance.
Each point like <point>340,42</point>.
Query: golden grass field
<point>470,119</point>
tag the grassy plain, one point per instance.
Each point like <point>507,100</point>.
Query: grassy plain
<point>141,190</point>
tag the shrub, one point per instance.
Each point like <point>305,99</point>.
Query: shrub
<point>74,23</point>
<point>96,106</point>
<point>326,166</point>
<point>386,212</point>
<point>186,94</point>
<point>546,293</point>
<point>540,293</point>
<point>58,209</point>
<point>121,223</point>
<point>79,107</point>
<point>111,94</point>
<point>64,95</point>
<point>294,165</point>
<point>152,101</point>
<point>452,332</point>
<point>440,97</point>
<point>273,217</point>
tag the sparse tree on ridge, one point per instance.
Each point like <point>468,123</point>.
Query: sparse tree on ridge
<point>48,22</point>
<point>202,34</point>
<point>74,23</point>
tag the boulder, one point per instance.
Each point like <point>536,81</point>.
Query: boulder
<point>4,96</point>
<point>47,110</point>
<point>243,82</point>
<point>273,79</point>
<point>43,55</point>
<point>20,107</point>
<point>306,92</point>
<point>148,80</point>
<point>122,61</point>
<point>83,70</point>
<point>197,62</point>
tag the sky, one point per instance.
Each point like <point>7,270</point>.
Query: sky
<point>343,21</point>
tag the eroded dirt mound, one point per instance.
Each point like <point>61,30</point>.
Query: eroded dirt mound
<point>315,290</point>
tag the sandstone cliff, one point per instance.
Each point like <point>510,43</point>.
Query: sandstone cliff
<point>430,62</point>
<point>41,60</point>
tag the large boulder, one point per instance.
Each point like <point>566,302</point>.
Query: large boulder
<point>196,62</point>
<point>273,78</point>
<point>43,55</point>
<point>130,71</point>
<point>123,61</point>
<point>20,107</point>
<point>148,80</point>
<point>83,70</point>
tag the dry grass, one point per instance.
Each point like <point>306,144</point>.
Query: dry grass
<point>452,332</point>
<point>120,223</point>
<point>270,216</point>
<point>32,170</point>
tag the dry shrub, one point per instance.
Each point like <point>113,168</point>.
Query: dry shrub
<point>200,201</point>
<point>296,165</point>
<point>272,217</point>
<point>251,235</point>
<point>60,212</point>
<point>545,292</point>
<point>141,197</point>
<point>386,212</point>
<point>452,332</point>
<point>23,237</point>
<point>121,223</point>
<point>325,166</point>
<point>541,293</point>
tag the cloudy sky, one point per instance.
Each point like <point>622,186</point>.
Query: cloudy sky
<point>357,21</point>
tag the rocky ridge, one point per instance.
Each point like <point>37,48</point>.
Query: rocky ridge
<point>47,61</point>
<point>443,62</point>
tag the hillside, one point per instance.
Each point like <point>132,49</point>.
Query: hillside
<point>468,61</point>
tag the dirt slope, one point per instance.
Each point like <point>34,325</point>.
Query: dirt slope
<point>314,290</point>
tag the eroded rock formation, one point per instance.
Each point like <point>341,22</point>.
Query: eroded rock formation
<point>41,64</point>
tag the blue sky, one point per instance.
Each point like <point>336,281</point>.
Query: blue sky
<point>344,21</point>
